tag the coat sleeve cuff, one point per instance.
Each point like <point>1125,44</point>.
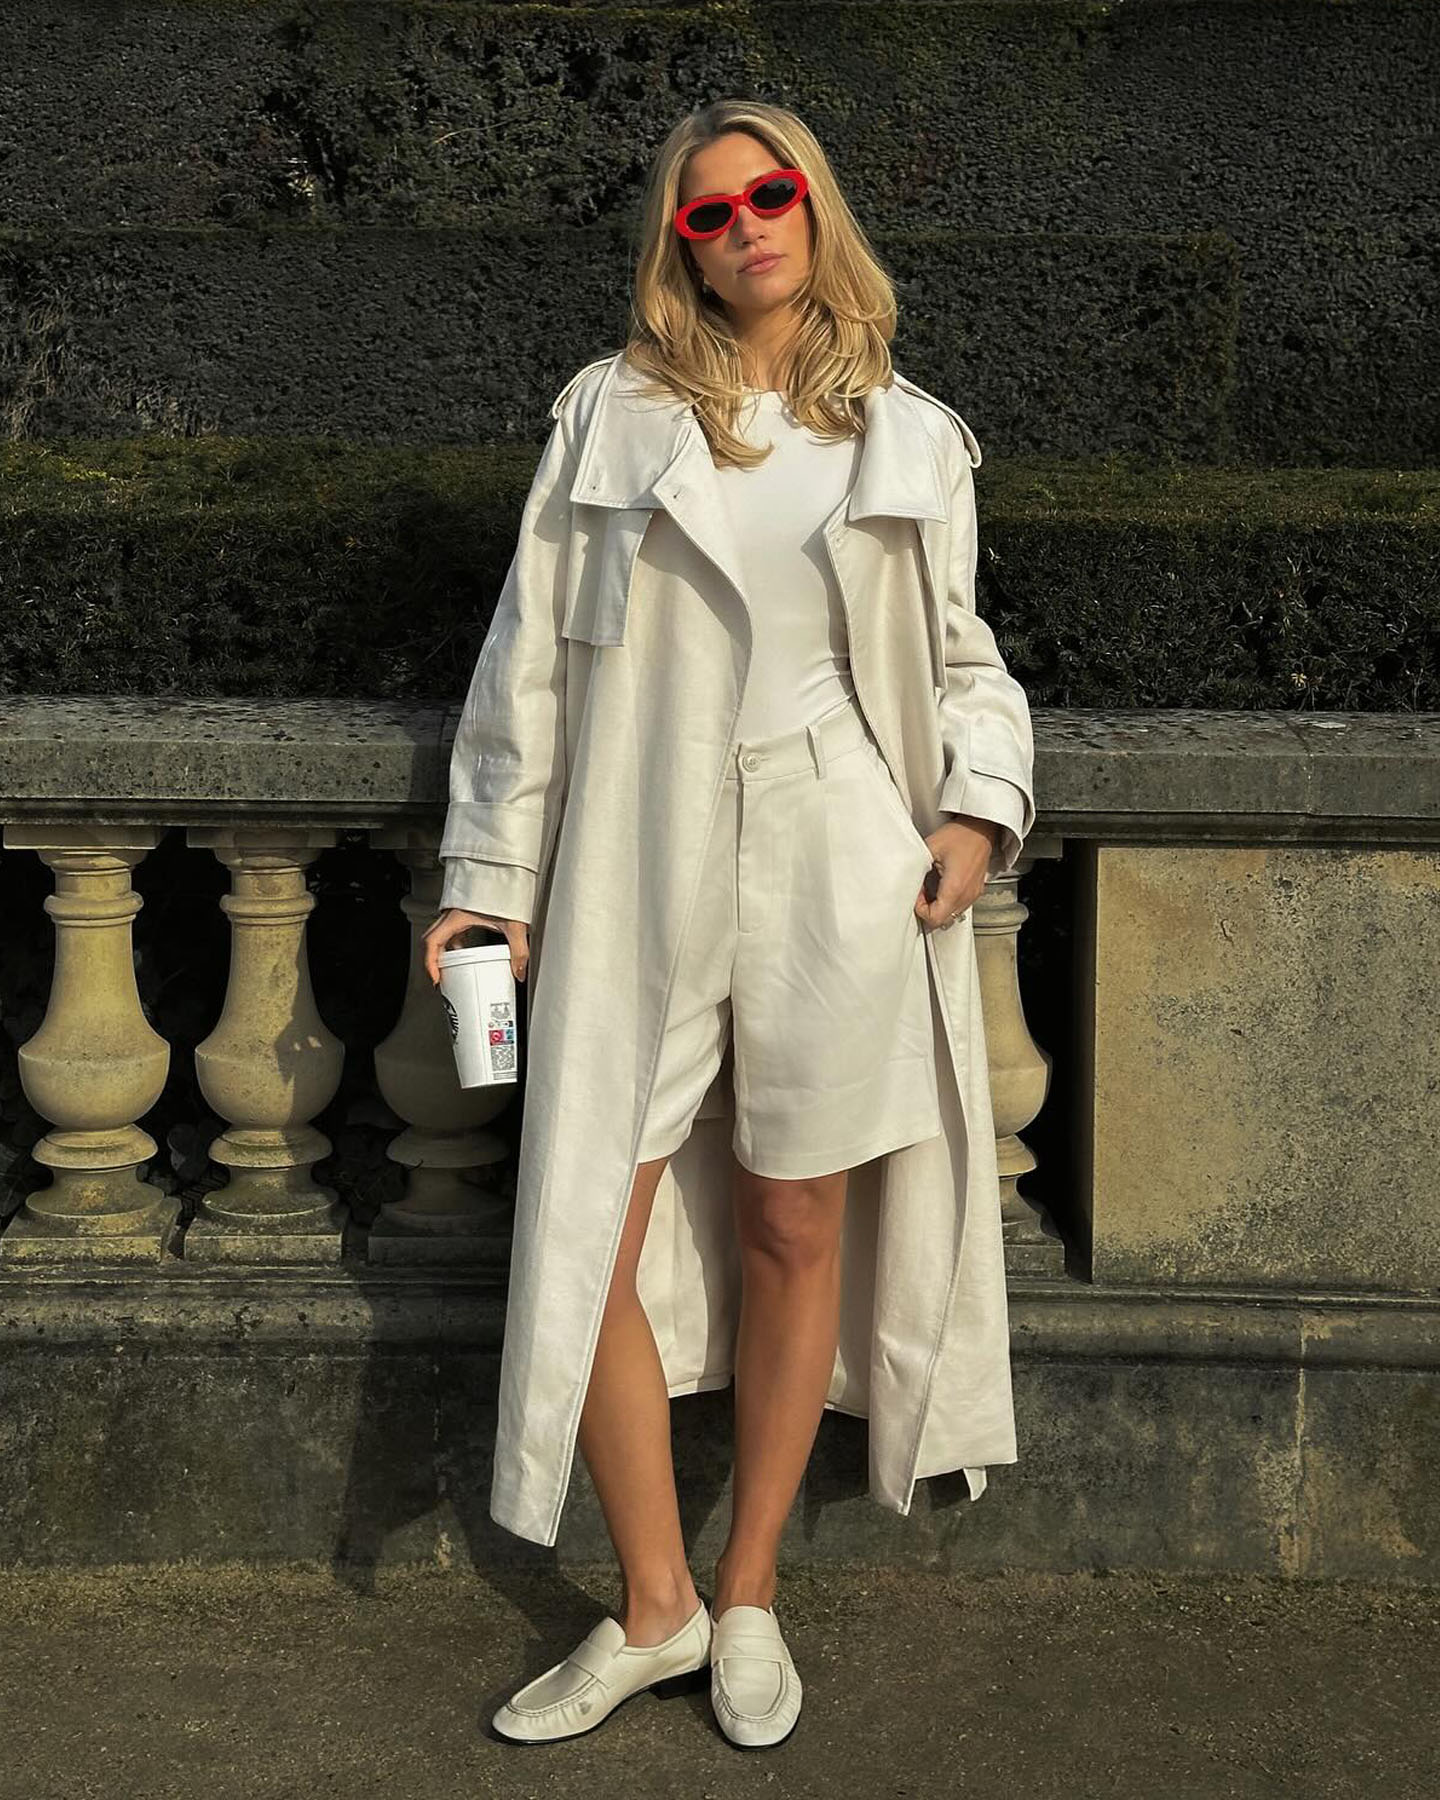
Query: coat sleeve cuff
<point>992,797</point>
<point>500,890</point>
<point>492,831</point>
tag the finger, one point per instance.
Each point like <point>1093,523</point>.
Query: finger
<point>439,937</point>
<point>932,893</point>
<point>944,906</point>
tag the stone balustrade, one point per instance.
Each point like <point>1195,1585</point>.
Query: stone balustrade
<point>1294,822</point>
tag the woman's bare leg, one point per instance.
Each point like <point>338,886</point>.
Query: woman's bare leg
<point>789,1234</point>
<point>625,1440</point>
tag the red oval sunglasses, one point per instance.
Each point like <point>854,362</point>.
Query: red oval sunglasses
<point>707,215</point>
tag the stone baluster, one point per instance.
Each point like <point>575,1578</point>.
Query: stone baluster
<point>444,1214</point>
<point>1019,1070</point>
<point>95,1066</point>
<point>270,1064</point>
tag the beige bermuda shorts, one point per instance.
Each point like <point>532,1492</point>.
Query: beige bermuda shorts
<point>804,958</point>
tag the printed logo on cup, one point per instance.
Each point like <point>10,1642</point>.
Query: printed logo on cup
<point>502,1037</point>
<point>452,1017</point>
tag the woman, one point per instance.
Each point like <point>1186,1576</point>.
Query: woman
<point>736,656</point>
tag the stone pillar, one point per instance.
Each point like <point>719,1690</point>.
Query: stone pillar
<point>270,1064</point>
<point>1019,1070</point>
<point>444,1215</point>
<point>94,1066</point>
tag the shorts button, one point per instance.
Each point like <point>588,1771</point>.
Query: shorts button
<point>750,761</point>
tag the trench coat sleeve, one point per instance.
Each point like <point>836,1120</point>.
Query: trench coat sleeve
<point>984,714</point>
<point>507,762</point>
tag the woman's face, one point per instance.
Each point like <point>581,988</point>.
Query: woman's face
<point>727,166</point>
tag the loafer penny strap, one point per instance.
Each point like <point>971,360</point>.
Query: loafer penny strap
<point>746,1643</point>
<point>592,1658</point>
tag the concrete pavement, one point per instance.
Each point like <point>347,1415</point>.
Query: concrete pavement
<point>161,1682</point>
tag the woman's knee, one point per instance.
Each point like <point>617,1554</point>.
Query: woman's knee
<point>793,1223</point>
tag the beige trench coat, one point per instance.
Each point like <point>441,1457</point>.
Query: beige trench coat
<point>586,771</point>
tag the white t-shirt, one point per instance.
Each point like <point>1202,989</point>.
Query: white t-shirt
<point>800,666</point>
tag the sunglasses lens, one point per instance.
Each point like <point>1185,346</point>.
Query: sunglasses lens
<point>710,215</point>
<point>774,196</point>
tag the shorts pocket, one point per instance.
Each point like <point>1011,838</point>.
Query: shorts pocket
<point>895,805</point>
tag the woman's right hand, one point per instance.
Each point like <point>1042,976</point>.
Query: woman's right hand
<point>454,922</point>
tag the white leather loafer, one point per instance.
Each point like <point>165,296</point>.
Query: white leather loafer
<point>580,1692</point>
<point>754,1687</point>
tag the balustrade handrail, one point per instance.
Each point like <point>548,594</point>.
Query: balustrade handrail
<point>1164,775</point>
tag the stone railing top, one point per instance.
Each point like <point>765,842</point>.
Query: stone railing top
<point>1185,772</point>
<point>1151,775</point>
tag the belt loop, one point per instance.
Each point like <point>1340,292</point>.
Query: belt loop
<point>817,749</point>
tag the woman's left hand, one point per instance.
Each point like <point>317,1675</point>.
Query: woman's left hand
<point>961,847</point>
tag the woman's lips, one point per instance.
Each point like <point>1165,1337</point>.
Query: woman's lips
<point>759,268</point>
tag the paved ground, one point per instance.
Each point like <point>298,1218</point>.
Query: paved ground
<point>222,1683</point>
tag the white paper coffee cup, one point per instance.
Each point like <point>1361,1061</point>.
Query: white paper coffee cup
<point>477,988</point>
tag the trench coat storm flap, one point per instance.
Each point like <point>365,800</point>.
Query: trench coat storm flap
<point>586,770</point>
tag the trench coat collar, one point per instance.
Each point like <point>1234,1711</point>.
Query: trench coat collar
<point>646,452</point>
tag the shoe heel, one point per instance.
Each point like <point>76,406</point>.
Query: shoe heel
<point>687,1683</point>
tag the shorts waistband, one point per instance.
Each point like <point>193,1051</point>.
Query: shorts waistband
<point>841,729</point>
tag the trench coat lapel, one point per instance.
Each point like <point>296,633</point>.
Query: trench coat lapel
<point>643,452</point>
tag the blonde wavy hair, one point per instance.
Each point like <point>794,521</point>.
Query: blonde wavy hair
<point>683,338</point>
